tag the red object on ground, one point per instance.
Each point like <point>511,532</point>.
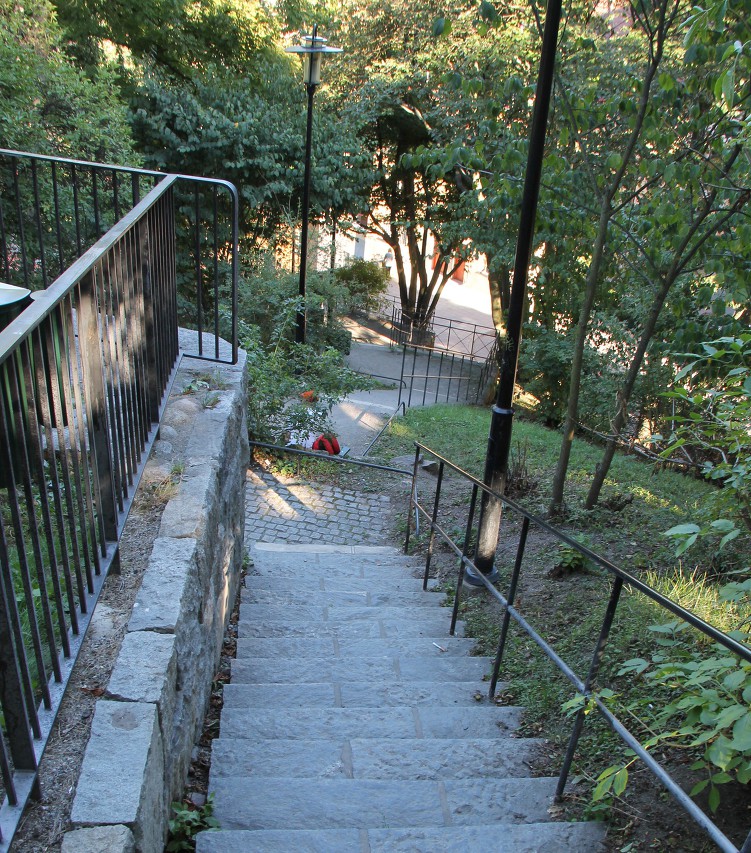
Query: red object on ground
<point>328,443</point>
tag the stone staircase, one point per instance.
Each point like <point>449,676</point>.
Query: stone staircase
<point>354,722</point>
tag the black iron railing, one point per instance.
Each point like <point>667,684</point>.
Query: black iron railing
<point>585,687</point>
<point>85,373</point>
<point>54,209</point>
<point>443,333</point>
<point>435,375</point>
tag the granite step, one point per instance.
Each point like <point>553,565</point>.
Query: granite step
<point>428,721</point>
<point>374,758</point>
<point>356,694</point>
<point>255,622</point>
<point>293,597</point>
<point>500,838</point>
<point>291,803</point>
<point>385,667</point>
<point>404,581</point>
<point>286,613</point>
<point>332,646</point>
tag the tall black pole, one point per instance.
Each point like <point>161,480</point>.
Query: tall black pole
<point>300,329</point>
<point>499,440</point>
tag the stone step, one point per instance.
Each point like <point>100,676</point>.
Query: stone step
<point>386,668</point>
<point>429,721</point>
<point>500,838</point>
<point>347,584</point>
<point>341,598</point>
<point>374,758</point>
<point>254,623</point>
<point>317,613</point>
<point>322,647</point>
<point>290,803</point>
<point>357,694</point>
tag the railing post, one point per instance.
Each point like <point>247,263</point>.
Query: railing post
<point>434,518</point>
<point>465,549</point>
<point>89,339</point>
<point>412,498</point>
<point>591,676</point>
<point>509,603</point>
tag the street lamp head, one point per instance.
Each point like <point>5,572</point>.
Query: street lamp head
<point>312,49</point>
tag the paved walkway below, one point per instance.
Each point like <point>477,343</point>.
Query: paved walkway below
<point>281,509</point>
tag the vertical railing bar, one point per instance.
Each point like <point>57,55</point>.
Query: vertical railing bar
<point>199,277</point>
<point>465,550</point>
<point>401,377</point>
<point>89,338</point>
<point>140,310</point>
<point>135,186</point>
<point>427,376</point>
<point>591,676</point>
<point>39,410</point>
<point>431,540</point>
<point>38,220</point>
<point>95,200</point>
<point>4,245</point>
<point>440,375</point>
<point>129,337</point>
<point>461,375</point>
<point>510,598</point>
<point>116,193</point>
<point>21,230</point>
<point>76,209</point>
<point>216,274</point>
<point>412,499</point>
<point>168,204</point>
<point>86,498</point>
<point>128,452</point>
<point>110,365</point>
<point>54,356</point>
<point>132,332</point>
<point>18,527</point>
<point>146,239</point>
<point>14,696</point>
<point>58,227</point>
<point>412,377</point>
<point>32,460</point>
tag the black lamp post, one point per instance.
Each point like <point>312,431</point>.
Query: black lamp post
<point>499,440</point>
<point>312,49</point>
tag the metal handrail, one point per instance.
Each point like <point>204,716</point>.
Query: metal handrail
<point>584,687</point>
<point>403,407</point>
<point>41,241</point>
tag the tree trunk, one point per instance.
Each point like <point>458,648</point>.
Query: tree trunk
<point>572,408</point>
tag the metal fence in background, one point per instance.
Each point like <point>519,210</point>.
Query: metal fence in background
<point>442,333</point>
<point>85,373</point>
<point>54,209</point>
<point>435,375</point>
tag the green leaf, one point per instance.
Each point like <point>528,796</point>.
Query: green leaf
<point>698,787</point>
<point>714,799</point>
<point>742,733</point>
<point>620,781</point>
<point>683,530</point>
<point>720,753</point>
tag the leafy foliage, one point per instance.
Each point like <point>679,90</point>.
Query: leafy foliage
<point>187,821</point>
<point>708,699</point>
<point>714,413</point>
<point>49,106</point>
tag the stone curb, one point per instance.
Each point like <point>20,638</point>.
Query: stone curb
<point>145,727</point>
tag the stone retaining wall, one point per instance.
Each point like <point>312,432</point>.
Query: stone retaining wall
<point>145,727</point>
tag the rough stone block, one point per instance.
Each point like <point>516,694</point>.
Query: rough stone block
<point>122,777</point>
<point>146,671</point>
<point>96,839</point>
<point>160,599</point>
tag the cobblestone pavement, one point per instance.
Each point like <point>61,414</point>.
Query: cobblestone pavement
<point>280,509</point>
